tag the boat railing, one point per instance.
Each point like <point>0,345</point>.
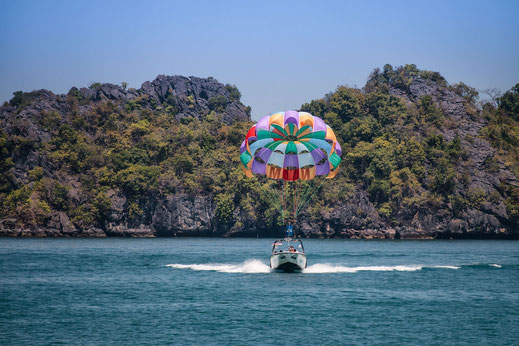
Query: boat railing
<point>288,245</point>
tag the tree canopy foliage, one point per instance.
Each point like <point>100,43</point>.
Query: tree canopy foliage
<point>393,149</point>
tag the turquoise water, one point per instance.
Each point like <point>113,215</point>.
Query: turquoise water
<point>220,291</point>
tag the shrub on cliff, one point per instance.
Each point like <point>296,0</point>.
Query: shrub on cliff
<point>131,156</point>
<point>218,103</point>
<point>54,193</point>
<point>470,94</point>
<point>137,180</point>
<point>234,93</point>
<point>17,202</point>
<point>224,208</point>
<point>347,103</point>
<point>92,212</point>
<point>21,99</point>
<point>509,102</point>
<point>6,162</point>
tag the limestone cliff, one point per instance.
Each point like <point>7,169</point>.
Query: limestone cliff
<point>162,160</point>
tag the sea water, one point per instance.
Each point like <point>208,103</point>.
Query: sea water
<point>221,291</point>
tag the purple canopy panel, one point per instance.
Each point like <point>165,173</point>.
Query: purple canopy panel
<point>338,148</point>
<point>263,123</point>
<point>243,147</point>
<point>258,167</point>
<point>264,154</point>
<point>292,117</point>
<point>317,155</point>
<point>319,124</point>
<point>291,161</point>
<point>323,169</point>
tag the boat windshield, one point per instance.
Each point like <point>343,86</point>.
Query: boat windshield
<point>288,246</point>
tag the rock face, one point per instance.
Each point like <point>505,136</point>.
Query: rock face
<point>182,214</point>
<point>356,217</point>
<point>193,96</point>
<point>27,116</point>
<point>491,219</point>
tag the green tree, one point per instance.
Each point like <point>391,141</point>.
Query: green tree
<point>509,102</point>
<point>385,108</point>
<point>224,208</point>
<point>347,103</point>
<point>234,93</point>
<point>138,181</point>
<point>218,103</point>
<point>315,107</point>
<point>468,93</point>
<point>54,193</point>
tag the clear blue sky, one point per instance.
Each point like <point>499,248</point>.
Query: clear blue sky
<point>279,53</point>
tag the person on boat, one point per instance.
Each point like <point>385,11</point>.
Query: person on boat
<point>291,249</point>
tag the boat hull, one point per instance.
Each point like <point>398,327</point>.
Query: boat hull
<point>288,261</point>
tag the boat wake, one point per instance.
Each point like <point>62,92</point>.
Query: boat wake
<point>253,266</point>
<point>330,268</point>
<point>249,266</point>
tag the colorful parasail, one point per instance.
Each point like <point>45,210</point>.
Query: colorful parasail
<point>291,146</point>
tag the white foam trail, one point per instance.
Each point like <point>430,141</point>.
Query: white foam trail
<point>445,267</point>
<point>249,266</point>
<point>329,268</point>
<point>257,266</point>
<point>495,265</point>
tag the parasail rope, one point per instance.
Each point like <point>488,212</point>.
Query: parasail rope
<point>283,199</point>
<point>294,202</point>
<point>311,196</point>
<point>300,198</point>
<point>306,192</point>
<point>275,197</point>
<point>296,198</point>
<point>269,196</point>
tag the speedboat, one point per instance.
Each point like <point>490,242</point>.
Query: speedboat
<point>288,255</point>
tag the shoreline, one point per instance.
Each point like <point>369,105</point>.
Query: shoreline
<point>359,235</point>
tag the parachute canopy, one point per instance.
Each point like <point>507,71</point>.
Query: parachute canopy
<point>291,146</point>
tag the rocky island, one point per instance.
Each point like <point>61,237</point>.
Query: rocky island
<point>422,158</point>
